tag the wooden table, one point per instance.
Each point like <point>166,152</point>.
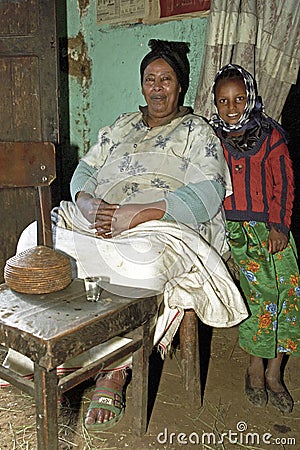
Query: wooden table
<point>52,328</point>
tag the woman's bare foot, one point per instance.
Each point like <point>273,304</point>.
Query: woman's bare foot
<point>112,380</point>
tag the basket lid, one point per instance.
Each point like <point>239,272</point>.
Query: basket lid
<point>38,270</point>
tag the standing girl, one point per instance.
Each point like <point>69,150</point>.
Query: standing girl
<point>258,216</point>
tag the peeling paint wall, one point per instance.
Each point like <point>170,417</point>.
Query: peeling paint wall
<point>79,62</point>
<point>83,6</point>
<point>104,67</point>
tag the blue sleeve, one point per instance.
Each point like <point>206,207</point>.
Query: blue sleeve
<point>195,203</point>
<point>83,179</point>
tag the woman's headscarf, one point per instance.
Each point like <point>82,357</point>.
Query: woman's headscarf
<point>175,54</point>
<point>253,107</point>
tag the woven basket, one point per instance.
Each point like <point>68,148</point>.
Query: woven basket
<point>38,270</point>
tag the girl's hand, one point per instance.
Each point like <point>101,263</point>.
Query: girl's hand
<point>277,241</point>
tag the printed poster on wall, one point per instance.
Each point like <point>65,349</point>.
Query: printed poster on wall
<point>118,11</point>
<point>177,7</point>
<point>148,11</point>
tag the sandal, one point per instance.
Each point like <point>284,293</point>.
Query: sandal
<point>104,398</point>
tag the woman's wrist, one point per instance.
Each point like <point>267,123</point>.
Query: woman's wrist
<point>154,211</point>
<point>82,195</point>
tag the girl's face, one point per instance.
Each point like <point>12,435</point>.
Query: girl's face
<point>231,98</point>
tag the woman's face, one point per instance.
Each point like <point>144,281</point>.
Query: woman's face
<point>231,98</point>
<point>161,90</point>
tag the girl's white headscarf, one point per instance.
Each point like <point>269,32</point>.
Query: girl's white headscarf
<point>253,103</point>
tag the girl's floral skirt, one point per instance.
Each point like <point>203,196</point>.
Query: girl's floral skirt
<point>270,284</point>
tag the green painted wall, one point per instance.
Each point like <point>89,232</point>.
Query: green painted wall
<point>114,54</point>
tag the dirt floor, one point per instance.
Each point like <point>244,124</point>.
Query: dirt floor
<point>226,420</point>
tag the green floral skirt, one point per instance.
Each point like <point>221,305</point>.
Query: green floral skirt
<point>270,284</point>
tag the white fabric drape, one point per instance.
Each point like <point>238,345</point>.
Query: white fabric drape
<point>260,35</point>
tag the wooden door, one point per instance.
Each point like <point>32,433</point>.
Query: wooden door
<point>28,99</point>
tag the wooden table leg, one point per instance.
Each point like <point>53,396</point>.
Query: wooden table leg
<point>46,408</point>
<point>189,356</point>
<point>140,375</point>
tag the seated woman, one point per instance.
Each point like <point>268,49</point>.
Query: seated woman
<point>147,212</point>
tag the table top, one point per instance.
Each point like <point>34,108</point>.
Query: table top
<point>66,322</point>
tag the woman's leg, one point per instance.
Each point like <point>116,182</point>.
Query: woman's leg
<point>114,380</point>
